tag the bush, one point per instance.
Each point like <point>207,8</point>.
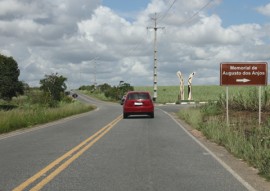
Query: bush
<point>211,109</point>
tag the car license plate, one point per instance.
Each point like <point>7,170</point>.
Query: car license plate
<point>138,103</point>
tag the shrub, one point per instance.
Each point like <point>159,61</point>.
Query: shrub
<point>211,109</point>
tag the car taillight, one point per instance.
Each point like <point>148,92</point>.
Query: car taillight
<point>147,102</point>
<point>129,102</point>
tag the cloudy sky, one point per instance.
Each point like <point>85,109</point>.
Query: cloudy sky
<point>107,41</point>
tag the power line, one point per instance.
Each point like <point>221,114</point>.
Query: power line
<point>168,10</point>
<point>195,14</point>
<point>160,18</point>
<point>155,30</point>
<point>189,19</point>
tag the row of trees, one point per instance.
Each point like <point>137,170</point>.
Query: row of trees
<point>53,86</point>
<point>111,92</point>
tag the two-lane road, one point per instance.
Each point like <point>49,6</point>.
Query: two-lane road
<point>101,151</point>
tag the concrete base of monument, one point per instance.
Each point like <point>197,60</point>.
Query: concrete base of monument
<point>187,102</point>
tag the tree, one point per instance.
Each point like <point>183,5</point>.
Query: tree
<point>10,85</point>
<point>112,93</point>
<point>117,93</point>
<point>104,87</point>
<point>53,85</point>
<point>124,88</point>
<point>88,88</point>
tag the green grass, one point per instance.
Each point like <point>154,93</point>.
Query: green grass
<point>169,94</point>
<point>97,95</point>
<point>243,137</point>
<point>21,117</point>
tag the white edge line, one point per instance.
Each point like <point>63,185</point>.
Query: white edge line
<point>228,168</point>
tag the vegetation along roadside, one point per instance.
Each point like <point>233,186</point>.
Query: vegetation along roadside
<point>22,106</point>
<point>243,137</point>
<point>35,108</point>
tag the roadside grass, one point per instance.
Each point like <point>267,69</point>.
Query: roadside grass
<point>28,116</point>
<point>97,95</point>
<point>243,137</point>
<point>169,94</point>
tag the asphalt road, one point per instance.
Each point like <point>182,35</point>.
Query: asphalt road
<point>100,151</point>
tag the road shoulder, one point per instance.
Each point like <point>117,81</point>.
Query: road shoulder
<point>245,171</point>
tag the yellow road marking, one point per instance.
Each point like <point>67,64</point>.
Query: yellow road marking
<point>81,148</point>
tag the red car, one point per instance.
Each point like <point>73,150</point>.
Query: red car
<point>138,103</point>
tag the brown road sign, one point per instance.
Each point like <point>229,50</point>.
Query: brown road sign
<point>243,73</point>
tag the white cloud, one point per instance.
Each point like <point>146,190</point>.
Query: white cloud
<point>265,10</point>
<point>65,36</point>
<point>209,31</point>
<point>9,7</point>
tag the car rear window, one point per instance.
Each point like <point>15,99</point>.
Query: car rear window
<point>138,96</point>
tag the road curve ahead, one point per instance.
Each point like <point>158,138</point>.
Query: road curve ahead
<point>100,151</point>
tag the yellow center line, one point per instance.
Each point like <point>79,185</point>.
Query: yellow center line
<point>81,148</point>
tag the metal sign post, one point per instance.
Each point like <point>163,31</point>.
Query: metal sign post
<point>260,104</point>
<point>227,105</point>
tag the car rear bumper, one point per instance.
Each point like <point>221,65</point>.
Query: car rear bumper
<point>138,110</point>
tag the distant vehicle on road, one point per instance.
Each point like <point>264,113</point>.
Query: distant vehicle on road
<point>74,95</point>
<point>138,103</point>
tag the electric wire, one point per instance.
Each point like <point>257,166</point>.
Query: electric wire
<point>165,15</point>
<point>160,18</point>
<point>196,13</point>
<point>168,10</point>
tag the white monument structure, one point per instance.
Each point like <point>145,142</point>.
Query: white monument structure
<point>181,78</point>
<point>182,92</point>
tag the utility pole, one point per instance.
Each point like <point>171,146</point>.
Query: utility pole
<point>95,75</point>
<point>155,55</point>
<point>95,70</point>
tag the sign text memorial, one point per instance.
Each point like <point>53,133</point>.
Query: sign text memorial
<point>243,73</point>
